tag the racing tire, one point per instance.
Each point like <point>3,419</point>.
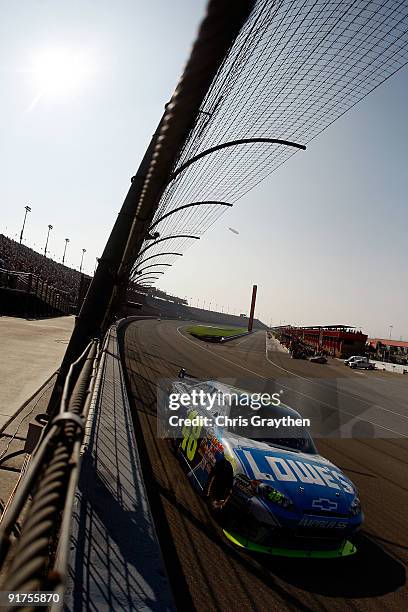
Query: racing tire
<point>219,488</point>
<point>174,444</point>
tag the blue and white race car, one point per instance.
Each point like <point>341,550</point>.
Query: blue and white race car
<point>273,494</point>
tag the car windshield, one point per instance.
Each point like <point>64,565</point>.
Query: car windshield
<point>241,423</point>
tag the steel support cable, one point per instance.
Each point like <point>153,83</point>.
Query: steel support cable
<point>305,44</point>
<point>27,568</point>
<point>163,206</point>
<point>185,206</point>
<point>336,103</point>
<point>347,69</point>
<point>264,171</point>
<point>218,31</point>
<point>282,47</point>
<point>190,216</point>
<point>225,145</point>
<point>282,42</point>
<point>180,242</point>
<point>139,271</point>
<point>216,35</point>
<point>170,222</point>
<point>35,465</point>
<point>61,562</point>
<point>153,244</point>
<point>221,134</point>
<point>372,71</point>
<point>190,146</point>
<point>249,31</point>
<point>152,256</point>
<point>249,79</point>
<point>9,520</point>
<point>149,276</point>
<point>355,48</point>
<point>235,103</point>
<point>74,365</point>
<point>301,58</point>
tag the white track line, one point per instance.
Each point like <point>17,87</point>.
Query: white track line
<point>345,393</point>
<point>203,348</point>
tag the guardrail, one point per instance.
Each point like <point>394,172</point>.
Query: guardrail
<point>39,556</point>
<point>32,284</point>
<point>390,367</point>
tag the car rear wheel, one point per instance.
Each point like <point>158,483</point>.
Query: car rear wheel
<point>220,487</point>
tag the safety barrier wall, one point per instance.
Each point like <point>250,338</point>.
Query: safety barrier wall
<point>115,561</point>
<point>32,284</point>
<point>390,367</point>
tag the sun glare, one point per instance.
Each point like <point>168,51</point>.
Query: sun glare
<point>60,72</point>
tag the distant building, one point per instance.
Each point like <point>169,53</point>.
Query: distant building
<point>389,344</point>
<point>389,350</point>
<point>336,340</point>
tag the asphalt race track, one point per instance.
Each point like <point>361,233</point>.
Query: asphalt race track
<point>206,572</point>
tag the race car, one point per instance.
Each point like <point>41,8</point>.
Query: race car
<point>269,488</point>
<point>318,359</point>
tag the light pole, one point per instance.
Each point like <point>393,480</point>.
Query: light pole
<point>82,259</point>
<point>27,210</point>
<point>65,249</point>
<point>391,326</point>
<point>46,243</point>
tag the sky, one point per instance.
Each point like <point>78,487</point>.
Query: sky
<point>323,237</point>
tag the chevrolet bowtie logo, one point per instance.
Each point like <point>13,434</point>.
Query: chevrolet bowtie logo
<point>324,504</point>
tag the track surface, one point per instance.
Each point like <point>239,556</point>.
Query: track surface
<point>206,572</point>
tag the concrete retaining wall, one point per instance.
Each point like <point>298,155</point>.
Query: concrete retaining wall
<point>390,367</point>
<point>115,561</point>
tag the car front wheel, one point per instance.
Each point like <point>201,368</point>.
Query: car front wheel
<point>220,487</point>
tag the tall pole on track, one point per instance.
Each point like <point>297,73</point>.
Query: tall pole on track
<point>251,314</point>
<point>131,227</point>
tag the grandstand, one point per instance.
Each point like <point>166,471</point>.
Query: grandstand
<point>335,340</point>
<point>146,304</point>
<point>49,287</point>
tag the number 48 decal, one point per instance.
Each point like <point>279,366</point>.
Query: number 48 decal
<point>190,435</point>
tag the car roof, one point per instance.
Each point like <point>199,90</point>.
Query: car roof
<point>278,411</point>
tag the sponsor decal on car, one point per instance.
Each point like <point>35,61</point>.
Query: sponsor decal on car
<point>263,465</point>
<point>316,524</point>
<point>324,504</point>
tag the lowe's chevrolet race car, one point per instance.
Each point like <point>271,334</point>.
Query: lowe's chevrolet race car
<point>270,489</point>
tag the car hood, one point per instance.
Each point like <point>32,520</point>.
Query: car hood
<point>312,482</point>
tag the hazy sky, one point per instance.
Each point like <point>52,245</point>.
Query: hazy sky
<point>324,237</point>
